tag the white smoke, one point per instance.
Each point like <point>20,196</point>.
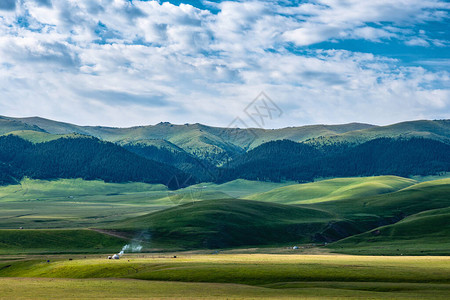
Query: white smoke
<point>135,245</point>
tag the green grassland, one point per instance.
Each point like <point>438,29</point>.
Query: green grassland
<point>222,221</point>
<point>423,233</point>
<point>411,200</point>
<point>228,222</point>
<point>37,136</point>
<point>72,203</point>
<point>230,276</point>
<point>334,189</point>
<point>7,125</point>
<point>239,188</point>
<point>437,129</point>
<point>385,215</point>
<point>233,222</point>
<point>57,241</point>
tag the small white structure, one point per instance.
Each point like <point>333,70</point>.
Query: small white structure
<point>116,256</point>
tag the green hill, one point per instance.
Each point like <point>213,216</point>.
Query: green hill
<point>38,136</point>
<point>227,223</point>
<point>205,142</point>
<point>366,213</point>
<point>436,129</point>
<point>197,149</point>
<point>424,233</point>
<point>57,241</point>
<point>79,203</point>
<point>412,200</point>
<point>80,157</point>
<point>420,210</point>
<point>35,188</point>
<point>76,203</point>
<point>333,189</point>
<point>239,188</point>
<point>194,137</point>
<point>8,125</point>
<point>288,160</point>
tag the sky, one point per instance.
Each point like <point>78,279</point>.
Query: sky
<point>128,62</point>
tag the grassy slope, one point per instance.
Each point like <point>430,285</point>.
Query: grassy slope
<point>303,133</point>
<point>258,275</point>
<point>334,189</point>
<point>437,129</point>
<point>206,141</point>
<point>46,288</point>
<point>7,125</point>
<point>240,187</point>
<point>215,223</point>
<point>218,223</point>
<point>197,137</point>
<point>159,143</point>
<point>33,188</point>
<point>37,136</point>
<point>181,134</point>
<point>75,202</point>
<point>423,233</point>
<point>79,203</point>
<point>56,241</point>
<point>408,201</point>
<point>228,222</point>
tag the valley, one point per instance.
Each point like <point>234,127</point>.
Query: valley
<point>198,211</point>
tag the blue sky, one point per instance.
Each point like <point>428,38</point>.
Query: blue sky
<point>125,63</point>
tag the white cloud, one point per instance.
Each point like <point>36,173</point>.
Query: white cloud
<point>327,19</point>
<point>122,63</point>
<point>417,42</point>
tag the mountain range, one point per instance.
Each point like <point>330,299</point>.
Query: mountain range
<point>48,149</point>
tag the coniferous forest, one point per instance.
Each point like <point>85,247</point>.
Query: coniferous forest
<point>90,158</point>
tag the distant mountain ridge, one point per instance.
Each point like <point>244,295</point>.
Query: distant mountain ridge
<point>217,154</point>
<point>207,142</point>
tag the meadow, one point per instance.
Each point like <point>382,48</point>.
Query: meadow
<point>77,203</point>
<point>228,276</point>
<point>212,216</point>
<point>228,243</point>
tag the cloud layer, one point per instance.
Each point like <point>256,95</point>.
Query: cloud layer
<point>122,63</point>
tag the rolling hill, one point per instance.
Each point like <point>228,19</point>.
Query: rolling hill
<point>347,209</point>
<point>227,223</point>
<point>8,125</point>
<point>411,200</point>
<point>424,233</point>
<point>57,241</point>
<point>437,130</point>
<point>333,189</point>
<point>367,213</point>
<point>40,136</point>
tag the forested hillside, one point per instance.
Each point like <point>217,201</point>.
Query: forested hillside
<point>47,149</point>
<point>81,157</point>
<point>287,160</point>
